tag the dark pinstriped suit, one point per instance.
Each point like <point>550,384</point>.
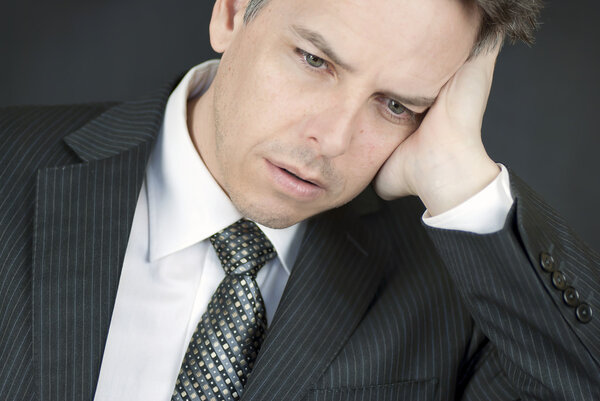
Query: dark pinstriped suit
<point>377,307</point>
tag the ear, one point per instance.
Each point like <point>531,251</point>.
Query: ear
<point>227,18</point>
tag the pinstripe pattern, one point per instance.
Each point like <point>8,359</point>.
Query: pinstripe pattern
<point>377,306</point>
<point>28,140</point>
<point>409,390</point>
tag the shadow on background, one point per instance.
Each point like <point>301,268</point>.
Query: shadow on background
<point>541,119</point>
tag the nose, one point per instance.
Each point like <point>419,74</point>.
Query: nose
<point>331,129</point>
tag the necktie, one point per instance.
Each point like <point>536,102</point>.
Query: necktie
<point>225,344</point>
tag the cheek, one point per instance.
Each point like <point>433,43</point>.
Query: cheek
<point>375,147</point>
<point>363,162</point>
<point>284,95</point>
<point>377,138</point>
<point>268,102</point>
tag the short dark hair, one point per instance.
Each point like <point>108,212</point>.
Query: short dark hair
<point>515,19</point>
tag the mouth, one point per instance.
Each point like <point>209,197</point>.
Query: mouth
<point>298,177</point>
<point>293,182</point>
<point>298,174</point>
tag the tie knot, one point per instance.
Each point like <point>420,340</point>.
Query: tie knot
<point>243,248</point>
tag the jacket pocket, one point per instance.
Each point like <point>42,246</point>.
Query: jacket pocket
<point>418,390</point>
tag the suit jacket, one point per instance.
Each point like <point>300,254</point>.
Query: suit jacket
<point>378,307</point>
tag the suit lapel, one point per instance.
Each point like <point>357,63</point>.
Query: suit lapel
<point>332,283</point>
<point>83,218</point>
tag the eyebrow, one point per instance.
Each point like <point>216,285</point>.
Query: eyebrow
<point>319,41</point>
<point>418,101</point>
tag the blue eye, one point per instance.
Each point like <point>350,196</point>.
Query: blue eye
<point>395,107</point>
<point>313,60</point>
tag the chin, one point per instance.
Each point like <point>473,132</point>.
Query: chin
<point>269,218</point>
<point>272,216</point>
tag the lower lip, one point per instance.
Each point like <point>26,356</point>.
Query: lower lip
<point>292,185</point>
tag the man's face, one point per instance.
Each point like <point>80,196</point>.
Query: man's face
<point>312,97</point>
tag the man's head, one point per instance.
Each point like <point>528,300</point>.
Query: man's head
<point>311,96</point>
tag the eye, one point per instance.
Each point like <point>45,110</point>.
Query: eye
<point>314,61</point>
<point>397,113</point>
<point>395,107</point>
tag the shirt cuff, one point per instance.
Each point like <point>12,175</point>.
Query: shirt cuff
<point>483,213</point>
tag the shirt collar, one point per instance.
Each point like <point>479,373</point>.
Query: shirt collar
<point>185,203</point>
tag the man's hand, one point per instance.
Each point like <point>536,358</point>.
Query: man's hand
<point>444,161</point>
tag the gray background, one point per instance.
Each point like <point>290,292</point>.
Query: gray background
<point>541,119</point>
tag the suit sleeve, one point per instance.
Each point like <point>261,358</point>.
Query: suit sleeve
<point>533,289</point>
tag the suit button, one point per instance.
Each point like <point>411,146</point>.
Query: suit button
<point>571,297</point>
<point>559,280</point>
<point>584,313</point>
<point>547,262</point>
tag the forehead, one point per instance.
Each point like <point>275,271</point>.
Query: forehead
<point>424,41</point>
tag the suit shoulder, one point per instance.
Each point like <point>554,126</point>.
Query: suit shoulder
<point>33,125</point>
<point>31,137</point>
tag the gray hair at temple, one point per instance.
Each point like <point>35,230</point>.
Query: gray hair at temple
<point>515,19</point>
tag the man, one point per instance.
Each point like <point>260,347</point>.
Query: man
<point>107,263</point>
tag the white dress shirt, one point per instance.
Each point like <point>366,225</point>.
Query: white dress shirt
<point>170,269</point>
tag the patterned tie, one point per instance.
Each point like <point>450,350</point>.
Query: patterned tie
<point>224,346</point>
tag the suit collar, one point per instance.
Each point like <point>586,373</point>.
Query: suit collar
<point>121,128</point>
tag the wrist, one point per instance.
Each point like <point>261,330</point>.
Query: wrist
<point>454,184</point>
